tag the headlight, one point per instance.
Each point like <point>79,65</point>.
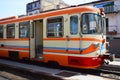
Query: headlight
<point>96,45</point>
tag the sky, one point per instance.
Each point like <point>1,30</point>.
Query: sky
<point>18,7</point>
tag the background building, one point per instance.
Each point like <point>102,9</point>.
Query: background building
<point>38,6</point>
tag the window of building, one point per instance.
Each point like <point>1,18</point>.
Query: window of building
<point>24,29</point>
<point>33,6</point>
<point>1,31</point>
<point>108,6</point>
<point>38,5</point>
<point>10,30</point>
<point>29,7</point>
<point>74,25</point>
<point>55,27</point>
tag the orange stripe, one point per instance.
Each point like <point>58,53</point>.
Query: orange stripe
<point>74,39</point>
<point>90,49</point>
<point>23,55</point>
<point>13,39</point>
<point>54,13</point>
<point>62,60</point>
<point>63,39</point>
<point>92,39</point>
<point>55,39</point>
<point>4,53</point>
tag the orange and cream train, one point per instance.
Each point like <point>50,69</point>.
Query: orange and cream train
<point>73,37</point>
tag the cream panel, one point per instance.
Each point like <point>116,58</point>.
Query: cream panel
<point>4,32</point>
<point>16,30</point>
<point>66,26</point>
<point>86,44</point>
<point>74,44</point>
<point>54,43</point>
<point>17,43</point>
<point>44,28</point>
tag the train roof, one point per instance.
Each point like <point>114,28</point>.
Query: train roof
<point>8,18</point>
<point>70,10</point>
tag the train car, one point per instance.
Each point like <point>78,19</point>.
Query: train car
<point>73,37</point>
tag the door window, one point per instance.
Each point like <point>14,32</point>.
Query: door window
<point>74,25</point>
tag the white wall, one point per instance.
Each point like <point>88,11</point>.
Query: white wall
<point>118,22</point>
<point>117,5</point>
<point>112,22</point>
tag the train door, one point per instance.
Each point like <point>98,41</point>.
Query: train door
<point>32,40</point>
<point>73,36</point>
<point>36,39</point>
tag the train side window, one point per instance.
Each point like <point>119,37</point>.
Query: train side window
<point>1,31</point>
<point>74,24</point>
<point>55,27</point>
<point>24,29</point>
<point>11,31</point>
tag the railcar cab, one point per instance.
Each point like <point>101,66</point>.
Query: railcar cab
<point>92,31</point>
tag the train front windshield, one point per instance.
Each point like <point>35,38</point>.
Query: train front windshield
<point>92,23</point>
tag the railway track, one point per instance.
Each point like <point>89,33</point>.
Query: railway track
<point>103,71</point>
<point>115,69</point>
<point>110,71</point>
<point>107,71</point>
<point>3,78</point>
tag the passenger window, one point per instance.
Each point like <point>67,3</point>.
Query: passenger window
<point>55,27</point>
<point>24,29</point>
<point>74,25</point>
<point>11,31</point>
<point>1,31</point>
